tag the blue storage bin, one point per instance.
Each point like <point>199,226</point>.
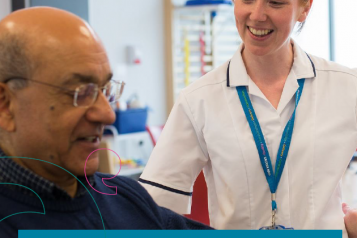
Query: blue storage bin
<point>207,2</point>
<point>131,120</point>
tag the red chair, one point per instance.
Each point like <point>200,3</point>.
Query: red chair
<point>154,132</point>
<point>199,207</point>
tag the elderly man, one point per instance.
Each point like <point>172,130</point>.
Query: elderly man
<point>54,101</point>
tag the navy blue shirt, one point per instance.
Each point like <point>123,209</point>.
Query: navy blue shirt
<point>132,208</point>
<point>11,172</point>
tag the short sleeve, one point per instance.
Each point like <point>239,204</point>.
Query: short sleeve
<point>176,160</point>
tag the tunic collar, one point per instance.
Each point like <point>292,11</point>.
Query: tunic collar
<point>302,68</point>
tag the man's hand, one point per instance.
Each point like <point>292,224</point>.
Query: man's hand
<point>350,220</point>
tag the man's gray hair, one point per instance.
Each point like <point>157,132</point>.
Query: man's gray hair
<point>14,60</point>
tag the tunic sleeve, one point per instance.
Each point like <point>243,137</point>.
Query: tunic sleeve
<point>176,161</point>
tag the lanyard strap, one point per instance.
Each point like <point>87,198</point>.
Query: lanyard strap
<point>272,178</point>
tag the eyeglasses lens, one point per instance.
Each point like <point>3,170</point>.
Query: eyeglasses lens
<point>87,94</point>
<point>113,91</point>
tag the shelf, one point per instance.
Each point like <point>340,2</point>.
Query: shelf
<point>133,146</point>
<point>210,8</point>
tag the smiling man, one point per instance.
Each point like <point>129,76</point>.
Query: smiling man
<point>55,90</point>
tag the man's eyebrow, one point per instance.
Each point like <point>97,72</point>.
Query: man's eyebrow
<point>109,77</point>
<point>77,78</point>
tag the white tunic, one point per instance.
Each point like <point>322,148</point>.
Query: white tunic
<point>207,128</point>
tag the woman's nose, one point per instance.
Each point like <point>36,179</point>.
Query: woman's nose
<point>258,12</point>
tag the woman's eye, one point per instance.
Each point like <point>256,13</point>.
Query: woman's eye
<point>247,1</point>
<point>276,3</point>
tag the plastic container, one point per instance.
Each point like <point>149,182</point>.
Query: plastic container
<point>207,2</point>
<point>131,120</point>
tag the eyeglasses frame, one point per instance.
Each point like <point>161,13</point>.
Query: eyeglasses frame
<point>73,93</point>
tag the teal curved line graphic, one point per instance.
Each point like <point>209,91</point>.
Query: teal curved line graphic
<point>100,214</point>
<point>44,210</point>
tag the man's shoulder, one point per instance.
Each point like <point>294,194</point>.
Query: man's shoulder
<point>113,178</point>
<point>129,195</point>
<point>120,185</point>
<point>110,179</point>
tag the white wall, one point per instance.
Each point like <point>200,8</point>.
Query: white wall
<point>78,7</point>
<point>314,37</point>
<point>120,23</point>
<point>345,32</point>
<point>5,8</point>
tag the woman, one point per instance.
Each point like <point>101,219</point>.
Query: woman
<point>306,109</point>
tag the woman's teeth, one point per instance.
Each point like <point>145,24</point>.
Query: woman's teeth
<point>259,32</point>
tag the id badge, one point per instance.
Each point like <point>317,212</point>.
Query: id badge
<point>276,227</point>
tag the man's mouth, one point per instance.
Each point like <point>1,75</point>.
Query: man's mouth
<point>259,32</point>
<point>92,139</point>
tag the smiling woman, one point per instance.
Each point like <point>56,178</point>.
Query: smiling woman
<point>260,126</point>
<point>277,3</point>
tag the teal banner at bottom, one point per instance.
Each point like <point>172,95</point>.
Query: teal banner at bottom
<point>180,234</point>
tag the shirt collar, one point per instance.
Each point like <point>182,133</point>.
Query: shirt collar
<point>11,172</point>
<point>302,67</point>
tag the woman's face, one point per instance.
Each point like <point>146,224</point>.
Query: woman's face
<point>265,25</point>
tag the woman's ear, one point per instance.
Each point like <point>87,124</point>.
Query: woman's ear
<point>305,12</point>
<point>7,121</point>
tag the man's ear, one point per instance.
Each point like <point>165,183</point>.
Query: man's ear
<point>306,11</point>
<point>7,121</point>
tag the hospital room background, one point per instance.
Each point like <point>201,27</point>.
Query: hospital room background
<point>158,47</point>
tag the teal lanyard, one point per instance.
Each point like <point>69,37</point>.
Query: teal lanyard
<point>272,178</point>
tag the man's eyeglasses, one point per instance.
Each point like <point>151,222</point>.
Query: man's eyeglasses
<point>85,95</point>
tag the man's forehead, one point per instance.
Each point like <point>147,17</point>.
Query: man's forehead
<point>48,21</point>
<point>80,78</point>
<point>63,47</point>
<point>46,28</point>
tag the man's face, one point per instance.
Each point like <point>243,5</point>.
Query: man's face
<point>49,127</point>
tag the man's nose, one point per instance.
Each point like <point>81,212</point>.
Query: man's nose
<point>101,111</point>
<point>258,12</point>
